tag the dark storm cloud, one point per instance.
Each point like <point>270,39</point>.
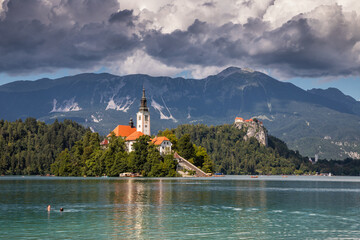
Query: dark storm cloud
<point>300,47</point>
<point>209,4</point>
<point>303,48</point>
<point>181,48</point>
<point>201,44</point>
<point>125,16</point>
<point>69,34</point>
<point>37,35</point>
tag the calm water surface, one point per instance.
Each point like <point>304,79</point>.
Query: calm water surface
<point>212,208</point>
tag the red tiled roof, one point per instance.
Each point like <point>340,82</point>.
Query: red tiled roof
<point>123,131</point>
<point>104,142</point>
<point>134,136</point>
<point>159,140</point>
<point>239,118</point>
<point>249,120</point>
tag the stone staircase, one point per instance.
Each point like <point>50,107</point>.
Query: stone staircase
<point>185,164</point>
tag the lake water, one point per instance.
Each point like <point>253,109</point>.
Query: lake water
<point>237,207</point>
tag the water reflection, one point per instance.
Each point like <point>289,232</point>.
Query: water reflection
<point>140,205</point>
<point>130,203</point>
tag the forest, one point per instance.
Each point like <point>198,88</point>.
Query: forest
<point>66,148</point>
<point>31,147</point>
<point>232,155</point>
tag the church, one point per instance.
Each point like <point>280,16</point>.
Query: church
<point>131,133</point>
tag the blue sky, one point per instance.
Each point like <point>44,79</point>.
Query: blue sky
<point>349,86</point>
<point>313,44</point>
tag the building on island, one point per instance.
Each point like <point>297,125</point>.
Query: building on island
<point>104,143</point>
<point>163,144</point>
<point>124,130</point>
<point>130,140</point>
<point>131,133</point>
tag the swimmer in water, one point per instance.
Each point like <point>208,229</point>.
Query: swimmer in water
<point>61,209</point>
<point>48,208</point>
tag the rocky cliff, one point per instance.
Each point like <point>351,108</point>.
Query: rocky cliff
<point>253,128</point>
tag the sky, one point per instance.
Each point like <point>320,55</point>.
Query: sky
<point>311,43</point>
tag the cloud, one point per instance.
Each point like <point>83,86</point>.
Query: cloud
<point>141,63</point>
<point>322,42</point>
<point>39,36</point>
<point>302,39</point>
<point>209,4</point>
<point>123,16</point>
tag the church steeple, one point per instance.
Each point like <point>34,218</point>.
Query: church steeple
<point>143,106</point>
<point>143,116</point>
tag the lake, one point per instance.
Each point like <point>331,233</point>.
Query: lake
<point>231,207</point>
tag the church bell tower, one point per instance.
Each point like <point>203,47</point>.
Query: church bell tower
<point>143,116</point>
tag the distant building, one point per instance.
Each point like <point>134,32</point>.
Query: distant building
<point>316,159</point>
<point>239,120</point>
<point>104,143</point>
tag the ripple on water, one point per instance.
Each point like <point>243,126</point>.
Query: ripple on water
<point>165,209</point>
<point>277,211</point>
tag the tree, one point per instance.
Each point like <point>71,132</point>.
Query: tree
<point>140,153</point>
<point>62,167</point>
<point>154,163</point>
<point>169,166</point>
<point>93,163</point>
<point>186,148</point>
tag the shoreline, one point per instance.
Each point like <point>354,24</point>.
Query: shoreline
<point>306,178</point>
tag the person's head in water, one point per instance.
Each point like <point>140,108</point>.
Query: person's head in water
<point>61,209</point>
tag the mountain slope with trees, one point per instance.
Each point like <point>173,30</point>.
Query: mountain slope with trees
<point>233,155</point>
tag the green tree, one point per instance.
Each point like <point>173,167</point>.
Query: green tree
<point>186,148</point>
<point>140,153</point>
<point>63,165</point>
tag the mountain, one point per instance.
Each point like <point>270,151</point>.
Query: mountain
<point>323,122</point>
<point>336,95</point>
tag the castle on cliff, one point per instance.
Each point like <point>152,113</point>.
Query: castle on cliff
<point>253,128</point>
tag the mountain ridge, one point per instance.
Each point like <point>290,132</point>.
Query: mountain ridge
<point>102,100</point>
